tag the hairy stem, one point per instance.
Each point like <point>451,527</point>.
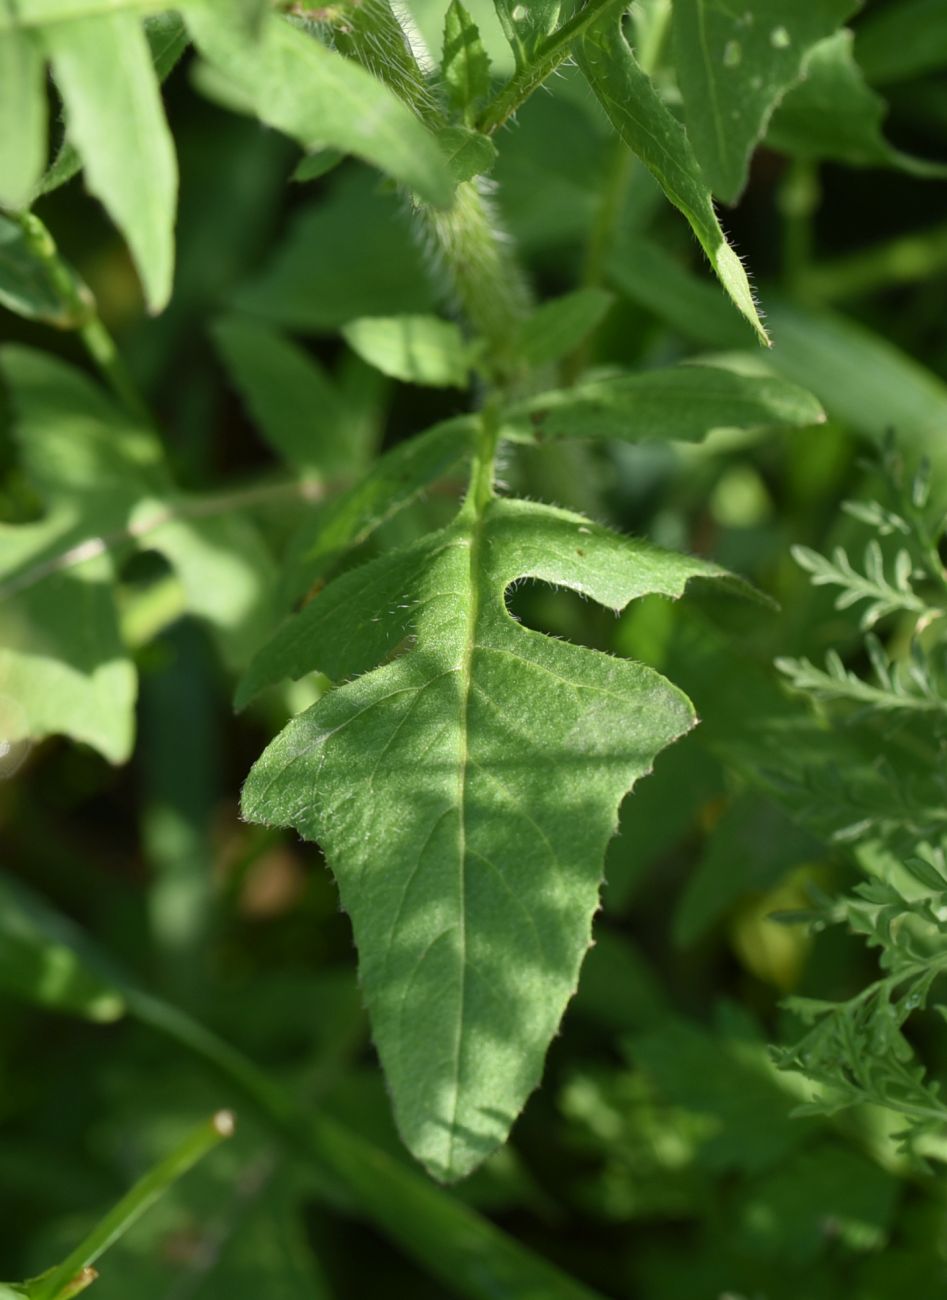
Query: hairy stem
<point>474,255</point>
<point>551,52</point>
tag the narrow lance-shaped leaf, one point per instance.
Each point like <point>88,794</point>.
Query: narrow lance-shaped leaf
<point>654,134</point>
<point>560,324</point>
<point>465,66</point>
<point>834,114</point>
<point>323,100</point>
<point>116,122</point>
<point>416,349</point>
<point>22,117</point>
<point>734,64</point>
<point>464,795</point>
<point>292,399</point>
<point>677,403</point>
<point>167,40</point>
<point>41,960</point>
<point>28,284</point>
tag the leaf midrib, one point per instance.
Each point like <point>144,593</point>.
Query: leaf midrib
<point>465,669</point>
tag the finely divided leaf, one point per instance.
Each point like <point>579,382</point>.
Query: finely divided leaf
<point>464,795</point>
<point>116,122</point>
<point>465,66</point>
<point>734,63</point>
<point>323,99</point>
<point>415,349</point>
<point>681,403</point>
<point>834,114</point>
<point>649,128</point>
<point>22,117</point>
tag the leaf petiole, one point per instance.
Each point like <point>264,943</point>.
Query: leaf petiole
<point>75,1272</point>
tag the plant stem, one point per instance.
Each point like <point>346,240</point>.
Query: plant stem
<point>471,251</point>
<point>550,53</point>
<point>480,492</point>
<point>450,1240</point>
<point>130,1208</point>
<point>80,313</point>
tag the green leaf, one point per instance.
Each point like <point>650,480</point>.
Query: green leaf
<point>898,42</point>
<point>467,153</point>
<point>107,492</point>
<point>324,100</point>
<point>784,1215</point>
<point>291,398</point>
<point>863,380</point>
<point>22,117</point>
<point>465,65</point>
<point>116,122</point>
<point>833,114</point>
<point>167,39</point>
<point>681,404</point>
<point>464,795</point>
<point>27,284</point>
<point>559,325</point>
<point>650,130</point>
<point>415,349</point>
<point>392,483</point>
<point>41,960</point>
<point>527,25</point>
<point>751,849</point>
<point>730,1079</point>
<point>346,255</point>
<point>734,64</point>
<point>318,164</point>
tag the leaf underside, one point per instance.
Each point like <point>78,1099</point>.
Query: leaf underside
<point>464,794</point>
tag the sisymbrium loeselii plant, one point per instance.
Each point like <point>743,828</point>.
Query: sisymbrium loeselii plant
<point>461,770</point>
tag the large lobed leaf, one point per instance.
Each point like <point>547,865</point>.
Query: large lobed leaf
<point>834,114</point>
<point>734,64</point>
<point>653,133</point>
<point>464,795</point>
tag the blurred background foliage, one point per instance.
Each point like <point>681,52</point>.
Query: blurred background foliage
<point>660,1158</point>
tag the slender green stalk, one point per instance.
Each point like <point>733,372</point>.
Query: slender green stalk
<point>551,53</point>
<point>80,314</point>
<point>909,259</point>
<point>59,1282</point>
<point>798,200</point>
<point>446,1237</point>
<point>469,250</point>
<point>480,492</point>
